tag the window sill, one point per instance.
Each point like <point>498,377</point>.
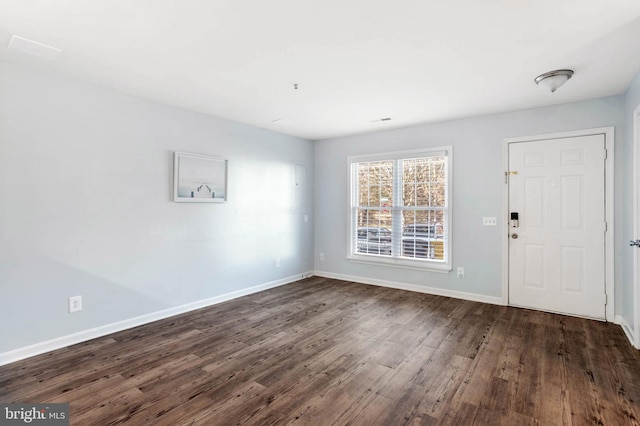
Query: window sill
<point>439,267</point>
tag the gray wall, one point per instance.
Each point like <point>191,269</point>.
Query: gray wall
<point>632,100</point>
<point>85,184</point>
<point>85,207</point>
<point>478,184</point>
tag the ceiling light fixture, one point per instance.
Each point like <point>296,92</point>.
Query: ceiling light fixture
<point>553,79</point>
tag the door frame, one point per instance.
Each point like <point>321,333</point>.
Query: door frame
<point>634,334</point>
<point>609,141</point>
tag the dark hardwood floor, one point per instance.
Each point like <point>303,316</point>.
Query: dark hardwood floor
<point>325,352</point>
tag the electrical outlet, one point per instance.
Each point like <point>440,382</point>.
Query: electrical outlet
<point>490,221</point>
<point>460,272</point>
<point>277,262</point>
<point>75,304</point>
<point>321,256</point>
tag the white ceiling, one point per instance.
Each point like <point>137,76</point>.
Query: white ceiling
<point>355,61</point>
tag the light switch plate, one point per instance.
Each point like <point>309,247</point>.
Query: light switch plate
<point>490,221</point>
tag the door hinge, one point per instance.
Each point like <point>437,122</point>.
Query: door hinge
<point>606,299</point>
<point>606,227</point>
<point>605,154</point>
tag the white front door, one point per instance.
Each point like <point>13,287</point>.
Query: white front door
<point>557,250</point>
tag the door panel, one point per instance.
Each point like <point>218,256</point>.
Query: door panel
<point>557,261</point>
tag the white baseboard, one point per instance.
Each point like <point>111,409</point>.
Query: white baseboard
<point>83,336</point>
<point>628,330</point>
<point>413,287</point>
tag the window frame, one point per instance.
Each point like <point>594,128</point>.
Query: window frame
<point>419,264</point>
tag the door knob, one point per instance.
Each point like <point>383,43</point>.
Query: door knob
<point>514,236</point>
<point>634,243</point>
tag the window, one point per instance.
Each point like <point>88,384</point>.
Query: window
<point>400,208</point>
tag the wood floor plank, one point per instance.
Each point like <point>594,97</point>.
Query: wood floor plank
<point>330,352</point>
<point>330,406</point>
<point>476,381</point>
